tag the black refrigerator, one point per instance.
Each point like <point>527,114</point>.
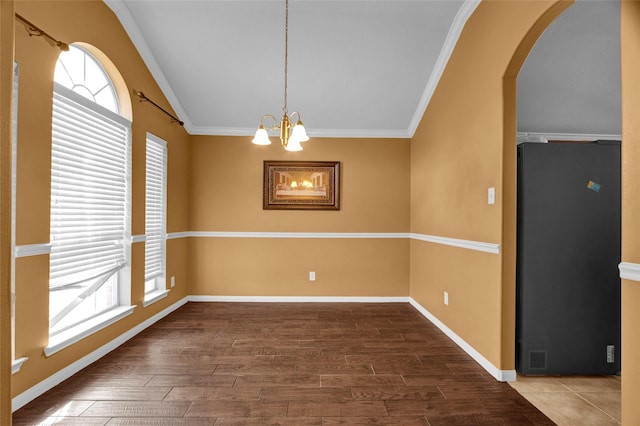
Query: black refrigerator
<point>568,252</point>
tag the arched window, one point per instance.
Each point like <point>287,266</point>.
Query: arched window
<point>89,274</point>
<point>79,71</point>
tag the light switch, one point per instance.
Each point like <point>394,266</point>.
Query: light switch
<point>491,196</point>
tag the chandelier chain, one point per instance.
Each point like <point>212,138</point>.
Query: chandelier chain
<point>292,131</point>
<point>286,52</point>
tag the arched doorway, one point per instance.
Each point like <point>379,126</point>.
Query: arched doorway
<point>630,48</point>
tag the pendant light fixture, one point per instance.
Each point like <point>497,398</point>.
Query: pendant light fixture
<point>290,135</point>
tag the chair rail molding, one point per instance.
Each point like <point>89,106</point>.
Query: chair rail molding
<point>33,250</point>
<point>629,271</point>
<point>492,248</point>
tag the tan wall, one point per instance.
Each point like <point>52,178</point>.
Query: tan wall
<point>463,274</point>
<point>457,153</point>
<point>227,178</point>
<point>280,267</point>
<point>630,51</point>
<point>6,135</point>
<point>464,145</point>
<point>227,181</point>
<point>89,22</point>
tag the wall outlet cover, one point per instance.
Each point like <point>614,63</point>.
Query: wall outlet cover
<point>491,196</point>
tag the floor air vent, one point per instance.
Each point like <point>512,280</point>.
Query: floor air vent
<point>538,359</point>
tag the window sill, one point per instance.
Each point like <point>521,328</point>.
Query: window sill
<point>154,296</point>
<point>16,365</point>
<point>79,332</point>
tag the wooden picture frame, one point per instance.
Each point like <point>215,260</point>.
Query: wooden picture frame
<point>301,185</point>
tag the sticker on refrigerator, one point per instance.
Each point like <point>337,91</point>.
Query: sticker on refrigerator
<point>593,186</point>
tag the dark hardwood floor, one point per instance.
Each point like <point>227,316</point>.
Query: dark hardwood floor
<point>285,364</point>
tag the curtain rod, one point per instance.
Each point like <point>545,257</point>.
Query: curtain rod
<point>144,98</point>
<point>33,30</point>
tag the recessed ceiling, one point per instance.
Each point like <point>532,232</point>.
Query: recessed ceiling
<point>359,68</point>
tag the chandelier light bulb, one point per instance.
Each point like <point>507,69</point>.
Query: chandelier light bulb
<point>299,132</point>
<point>293,145</point>
<point>261,137</point>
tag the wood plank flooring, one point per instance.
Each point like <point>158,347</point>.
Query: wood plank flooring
<point>285,364</point>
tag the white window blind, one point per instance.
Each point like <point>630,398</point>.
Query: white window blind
<point>90,206</point>
<point>14,174</point>
<point>155,214</point>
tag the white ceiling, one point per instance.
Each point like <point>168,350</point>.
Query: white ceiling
<point>570,82</point>
<point>358,68</point>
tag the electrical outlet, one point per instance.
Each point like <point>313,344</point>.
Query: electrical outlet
<point>446,298</point>
<point>312,276</point>
<point>173,281</point>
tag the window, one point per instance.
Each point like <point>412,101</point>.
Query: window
<point>16,363</point>
<point>90,201</point>
<point>79,71</point>
<point>155,220</point>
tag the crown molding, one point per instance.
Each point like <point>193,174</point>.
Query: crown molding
<point>316,133</point>
<point>544,137</point>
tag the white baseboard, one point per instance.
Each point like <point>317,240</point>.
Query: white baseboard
<point>500,375</point>
<point>333,235</point>
<point>299,299</point>
<point>62,375</point>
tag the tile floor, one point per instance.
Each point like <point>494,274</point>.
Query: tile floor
<point>574,400</point>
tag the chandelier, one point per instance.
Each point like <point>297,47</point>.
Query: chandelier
<point>290,135</point>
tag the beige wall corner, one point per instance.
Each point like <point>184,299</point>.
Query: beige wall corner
<point>630,57</point>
